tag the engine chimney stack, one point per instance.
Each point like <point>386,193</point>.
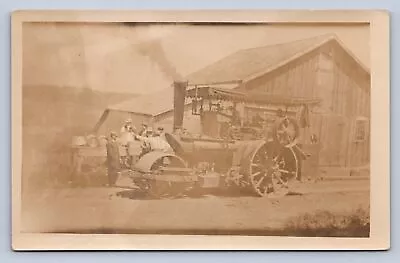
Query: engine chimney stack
<point>179,103</point>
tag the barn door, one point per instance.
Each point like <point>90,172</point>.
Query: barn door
<point>334,134</point>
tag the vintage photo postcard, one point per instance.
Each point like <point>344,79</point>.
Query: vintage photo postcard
<point>200,130</point>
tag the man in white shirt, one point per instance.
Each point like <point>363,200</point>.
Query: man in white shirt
<point>127,138</point>
<point>127,133</point>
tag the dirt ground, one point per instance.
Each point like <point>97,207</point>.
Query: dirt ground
<point>124,210</point>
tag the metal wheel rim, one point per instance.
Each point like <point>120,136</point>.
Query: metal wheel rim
<point>268,176</point>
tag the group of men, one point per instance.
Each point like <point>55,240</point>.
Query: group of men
<point>152,140</point>
<point>135,144</point>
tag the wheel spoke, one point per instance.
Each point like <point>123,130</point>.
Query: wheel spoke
<point>279,179</point>
<point>256,165</point>
<point>255,174</point>
<point>284,171</point>
<point>258,183</point>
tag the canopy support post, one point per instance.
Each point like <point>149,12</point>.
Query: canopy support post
<point>101,121</point>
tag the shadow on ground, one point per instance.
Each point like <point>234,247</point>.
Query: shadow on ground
<point>136,194</point>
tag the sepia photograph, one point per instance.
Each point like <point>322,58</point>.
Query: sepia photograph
<point>196,128</point>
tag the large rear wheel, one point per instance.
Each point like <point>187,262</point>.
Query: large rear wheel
<point>272,169</point>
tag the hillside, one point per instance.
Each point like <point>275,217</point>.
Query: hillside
<point>51,116</point>
<point>59,109</point>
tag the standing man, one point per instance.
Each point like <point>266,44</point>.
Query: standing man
<point>126,132</point>
<point>127,138</point>
<point>113,159</point>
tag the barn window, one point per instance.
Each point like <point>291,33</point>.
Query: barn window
<point>361,129</point>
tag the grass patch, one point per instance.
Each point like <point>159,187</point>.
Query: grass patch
<point>324,223</point>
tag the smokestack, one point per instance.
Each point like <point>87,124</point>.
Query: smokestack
<point>179,103</point>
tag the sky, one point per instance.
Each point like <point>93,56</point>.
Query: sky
<point>145,58</point>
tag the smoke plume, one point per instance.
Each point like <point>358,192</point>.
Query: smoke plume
<point>153,49</point>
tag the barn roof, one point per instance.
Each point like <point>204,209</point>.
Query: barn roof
<point>149,104</point>
<point>248,63</point>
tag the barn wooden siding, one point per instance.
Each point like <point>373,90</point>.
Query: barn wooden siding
<point>350,101</point>
<point>328,73</point>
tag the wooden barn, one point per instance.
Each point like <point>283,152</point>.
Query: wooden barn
<point>319,67</point>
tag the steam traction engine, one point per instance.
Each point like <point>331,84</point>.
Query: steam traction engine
<point>263,165</point>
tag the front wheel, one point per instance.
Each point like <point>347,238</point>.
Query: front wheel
<point>159,188</point>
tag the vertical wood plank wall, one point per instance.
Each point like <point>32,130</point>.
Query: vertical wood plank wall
<point>327,74</point>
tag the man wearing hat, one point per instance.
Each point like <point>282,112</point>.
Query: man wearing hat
<point>113,159</point>
<point>144,130</point>
<point>161,132</point>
